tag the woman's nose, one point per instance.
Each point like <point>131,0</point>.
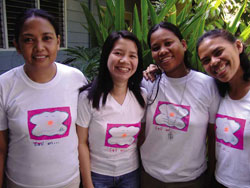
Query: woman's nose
<point>214,61</point>
<point>123,59</point>
<point>39,45</point>
<point>163,50</point>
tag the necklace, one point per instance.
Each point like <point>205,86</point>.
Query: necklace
<point>177,112</point>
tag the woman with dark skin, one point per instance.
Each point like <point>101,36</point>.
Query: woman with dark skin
<point>223,58</point>
<point>178,117</point>
<point>38,109</point>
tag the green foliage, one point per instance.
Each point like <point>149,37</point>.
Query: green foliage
<point>84,59</point>
<point>192,17</point>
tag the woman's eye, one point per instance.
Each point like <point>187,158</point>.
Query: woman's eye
<point>133,56</point>
<point>28,40</point>
<point>205,61</point>
<point>167,43</point>
<point>47,38</point>
<point>155,49</point>
<point>218,53</point>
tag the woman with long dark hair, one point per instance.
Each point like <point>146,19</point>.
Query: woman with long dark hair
<point>109,116</point>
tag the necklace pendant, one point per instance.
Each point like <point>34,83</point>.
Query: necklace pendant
<point>170,135</point>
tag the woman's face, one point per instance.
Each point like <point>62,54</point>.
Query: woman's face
<point>168,52</point>
<point>123,60</point>
<point>38,43</point>
<point>220,58</point>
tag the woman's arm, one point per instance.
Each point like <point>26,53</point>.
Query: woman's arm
<point>84,156</point>
<point>3,153</point>
<point>151,72</point>
<point>211,151</point>
<point>141,136</point>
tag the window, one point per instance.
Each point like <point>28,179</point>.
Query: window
<point>1,26</point>
<point>11,8</point>
<point>56,8</point>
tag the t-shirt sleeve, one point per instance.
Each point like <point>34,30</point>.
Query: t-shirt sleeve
<point>85,81</point>
<point>3,116</point>
<point>214,102</point>
<point>144,94</point>
<point>84,110</point>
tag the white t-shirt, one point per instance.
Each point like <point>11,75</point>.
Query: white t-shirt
<point>176,126</point>
<point>40,117</point>
<point>113,131</point>
<point>233,142</point>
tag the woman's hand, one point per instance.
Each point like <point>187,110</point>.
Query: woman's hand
<point>3,153</point>
<point>151,72</point>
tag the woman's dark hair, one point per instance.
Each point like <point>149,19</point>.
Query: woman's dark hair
<point>103,83</point>
<point>175,30</point>
<point>34,13</point>
<point>244,61</point>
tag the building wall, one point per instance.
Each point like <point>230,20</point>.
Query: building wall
<point>76,33</point>
<point>76,36</point>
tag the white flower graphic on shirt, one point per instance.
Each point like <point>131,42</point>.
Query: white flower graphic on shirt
<point>49,123</point>
<point>123,135</point>
<point>226,129</point>
<point>171,115</point>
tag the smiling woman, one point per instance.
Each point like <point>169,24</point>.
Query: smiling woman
<point>37,112</point>
<point>223,57</point>
<point>178,117</point>
<point>110,111</point>
<point>123,61</point>
<point>38,43</point>
<point>168,52</point>
<point>220,58</point>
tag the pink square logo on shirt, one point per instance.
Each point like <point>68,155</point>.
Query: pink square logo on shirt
<point>230,131</point>
<point>172,115</point>
<point>121,135</point>
<point>49,123</point>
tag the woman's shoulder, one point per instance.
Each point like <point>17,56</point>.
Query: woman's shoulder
<point>11,72</point>
<point>11,76</point>
<point>148,85</point>
<point>201,75</point>
<point>84,94</point>
<point>71,72</point>
<point>203,83</point>
<point>202,78</point>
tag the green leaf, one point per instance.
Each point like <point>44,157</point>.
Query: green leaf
<point>85,27</point>
<point>144,19</point>
<point>110,16</point>
<point>218,25</point>
<point>93,27</point>
<point>183,14</point>
<point>247,50</point>
<point>234,24</point>
<point>119,15</point>
<point>104,32</point>
<point>172,16</point>
<point>218,3</point>
<point>165,10</point>
<point>136,25</point>
<point>98,10</point>
<point>191,25</point>
<point>111,6</point>
<point>245,33</point>
<point>152,13</point>
<point>197,32</point>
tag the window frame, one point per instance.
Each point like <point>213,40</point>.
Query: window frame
<point>37,2</point>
